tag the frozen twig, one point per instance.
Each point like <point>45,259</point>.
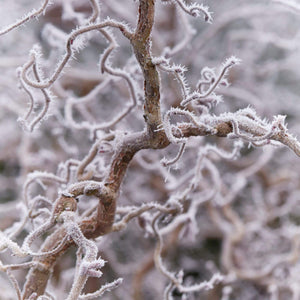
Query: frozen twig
<point>177,279</point>
<point>167,163</point>
<point>33,14</point>
<point>214,81</point>
<point>195,10</point>
<point>70,50</point>
<point>140,210</point>
<point>105,288</point>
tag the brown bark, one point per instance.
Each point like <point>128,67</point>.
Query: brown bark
<point>101,222</point>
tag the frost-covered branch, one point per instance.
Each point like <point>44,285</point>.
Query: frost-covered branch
<point>135,155</point>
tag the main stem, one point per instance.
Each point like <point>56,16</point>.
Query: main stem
<point>101,221</point>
